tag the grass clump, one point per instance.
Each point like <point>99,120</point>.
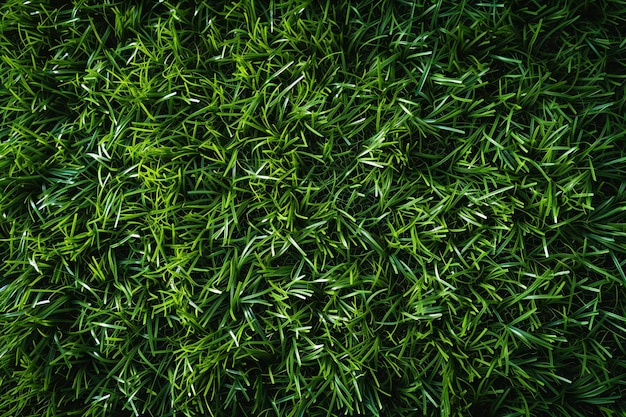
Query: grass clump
<point>300,208</point>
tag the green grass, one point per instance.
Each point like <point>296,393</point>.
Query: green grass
<point>312,208</point>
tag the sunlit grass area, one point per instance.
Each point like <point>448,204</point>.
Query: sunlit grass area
<point>312,208</point>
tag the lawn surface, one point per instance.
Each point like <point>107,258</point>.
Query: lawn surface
<point>307,208</point>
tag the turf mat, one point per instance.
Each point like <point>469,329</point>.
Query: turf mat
<point>312,208</point>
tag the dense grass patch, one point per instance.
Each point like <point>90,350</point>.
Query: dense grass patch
<point>309,208</point>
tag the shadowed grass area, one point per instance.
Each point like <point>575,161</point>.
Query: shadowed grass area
<point>312,208</point>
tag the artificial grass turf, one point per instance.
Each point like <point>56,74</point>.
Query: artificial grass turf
<point>302,208</point>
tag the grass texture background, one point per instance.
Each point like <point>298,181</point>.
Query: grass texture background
<point>312,208</point>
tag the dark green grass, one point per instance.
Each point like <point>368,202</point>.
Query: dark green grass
<point>302,208</point>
